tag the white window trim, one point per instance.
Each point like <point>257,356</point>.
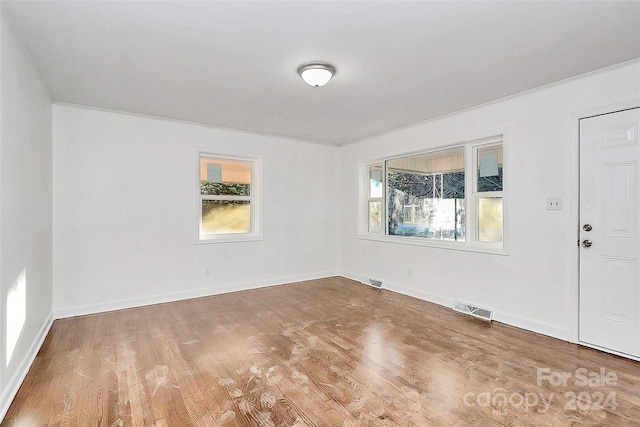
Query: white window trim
<point>256,199</point>
<point>470,143</point>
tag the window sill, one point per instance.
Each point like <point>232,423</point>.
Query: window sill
<point>488,248</point>
<point>228,239</point>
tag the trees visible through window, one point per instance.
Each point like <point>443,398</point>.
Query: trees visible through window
<point>425,195</point>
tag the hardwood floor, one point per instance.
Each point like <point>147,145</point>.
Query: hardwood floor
<point>328,352</point>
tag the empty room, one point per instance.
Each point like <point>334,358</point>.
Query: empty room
<point>319,213</point>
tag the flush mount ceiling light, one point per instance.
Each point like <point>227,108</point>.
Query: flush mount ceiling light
<point>316,73</point>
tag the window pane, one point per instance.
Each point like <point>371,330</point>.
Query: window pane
<point>426,195</point>
<point>375,217</point>
<point>490,219</point>
<point>375,182</point>
<point>225,216</point>
<point>490,169</point>
<point>225,177</point>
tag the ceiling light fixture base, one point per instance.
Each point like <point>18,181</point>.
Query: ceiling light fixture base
<point>316,73</point>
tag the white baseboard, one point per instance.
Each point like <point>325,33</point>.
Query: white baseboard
<point>61,313</point>
<point>425,296</point>
<point>506,318</point>
<point>541,328</point>
<point>9,392</point>
<point>447,302</point>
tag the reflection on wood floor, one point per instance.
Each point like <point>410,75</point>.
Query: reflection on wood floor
<point>327,352</point>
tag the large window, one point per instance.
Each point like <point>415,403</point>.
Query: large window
<point>449,197</point>
<point>228,198</point>
<point>425,195</point>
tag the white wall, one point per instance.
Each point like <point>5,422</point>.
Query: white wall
<point>125,203</point>
<point>535,286</point>
<point>25,213</point>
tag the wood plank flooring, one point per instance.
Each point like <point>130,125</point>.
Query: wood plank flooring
<point>327,352</point>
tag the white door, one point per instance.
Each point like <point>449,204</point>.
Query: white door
<point>610,246</point>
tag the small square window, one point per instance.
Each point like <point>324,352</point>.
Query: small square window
<point>228,198</point>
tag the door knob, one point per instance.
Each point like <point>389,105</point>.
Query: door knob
<point>587,243</point>
<point>587,227</point>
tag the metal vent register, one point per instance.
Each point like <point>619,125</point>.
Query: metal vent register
<point>375,282</point>
<point>473,310</point>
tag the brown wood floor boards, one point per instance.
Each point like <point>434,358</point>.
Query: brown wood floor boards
<point>327,352</point>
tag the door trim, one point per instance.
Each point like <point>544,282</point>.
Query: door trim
<point>574,212</point>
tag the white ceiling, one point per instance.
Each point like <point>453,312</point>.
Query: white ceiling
<point>233,64</point>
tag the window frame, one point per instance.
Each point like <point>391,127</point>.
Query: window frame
<point>476,195</point>
<point>471,144</point>
<point>254,199</point>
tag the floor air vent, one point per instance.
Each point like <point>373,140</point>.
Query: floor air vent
<point>473,310</point>
<point>375,282</point>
